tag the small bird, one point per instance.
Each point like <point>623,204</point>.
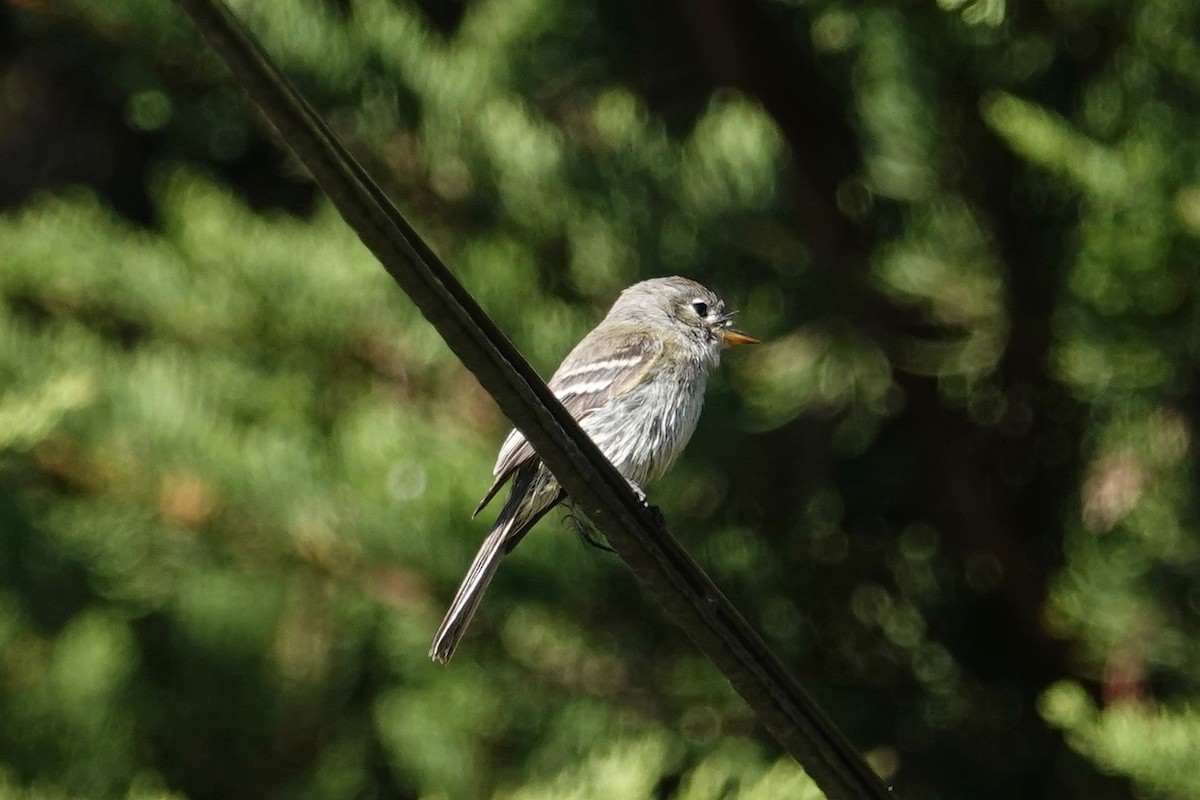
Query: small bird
<point>635,384</point>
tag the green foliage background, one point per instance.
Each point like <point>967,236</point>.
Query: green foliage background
<point>956,490</point>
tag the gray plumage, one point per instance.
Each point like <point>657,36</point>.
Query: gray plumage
<point>636,386</point>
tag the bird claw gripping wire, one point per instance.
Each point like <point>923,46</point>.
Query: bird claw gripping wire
<point>656,514</point>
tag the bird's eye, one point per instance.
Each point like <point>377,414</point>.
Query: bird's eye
<point>700,307</point>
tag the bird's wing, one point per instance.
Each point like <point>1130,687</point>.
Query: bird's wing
<point>586,380</point>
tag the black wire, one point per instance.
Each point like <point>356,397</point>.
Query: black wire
<point>665,569</point>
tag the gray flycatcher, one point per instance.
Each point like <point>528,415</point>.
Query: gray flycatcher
<point>636,385</point>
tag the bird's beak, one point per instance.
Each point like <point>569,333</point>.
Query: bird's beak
<point>735,337</point>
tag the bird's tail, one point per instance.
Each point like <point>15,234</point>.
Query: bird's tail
<point>470,592</point>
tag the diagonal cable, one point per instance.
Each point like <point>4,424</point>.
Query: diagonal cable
<point>665,570</point>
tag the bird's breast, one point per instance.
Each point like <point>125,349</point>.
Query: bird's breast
<point>644,431</point>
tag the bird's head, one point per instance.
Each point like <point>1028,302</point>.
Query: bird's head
<point>683,306</point>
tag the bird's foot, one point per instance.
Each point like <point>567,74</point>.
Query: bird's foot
<point>660,521</point>
<point>586,532</point>
<point>656,514</point>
